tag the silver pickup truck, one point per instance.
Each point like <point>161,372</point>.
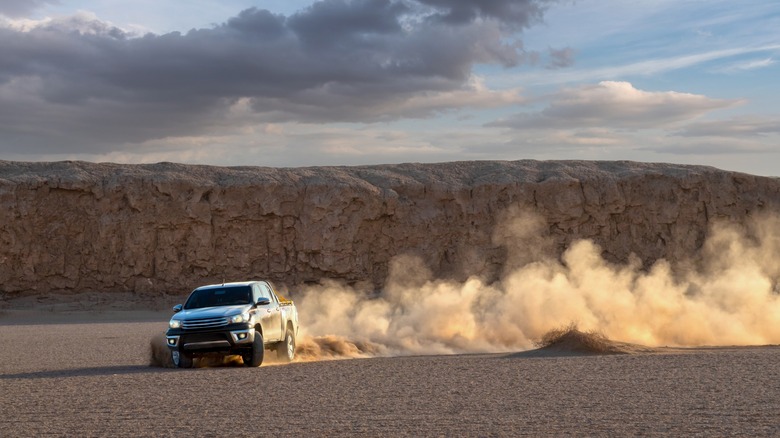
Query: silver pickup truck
<point>233,318</point>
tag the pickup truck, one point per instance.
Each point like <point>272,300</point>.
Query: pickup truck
<point>243,318</point>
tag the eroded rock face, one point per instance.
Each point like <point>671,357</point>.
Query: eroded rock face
<point>166,228</point>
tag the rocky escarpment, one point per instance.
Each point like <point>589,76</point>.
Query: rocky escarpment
<point>165,228</point>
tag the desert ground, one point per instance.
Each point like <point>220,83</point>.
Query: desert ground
<point>82,374</point>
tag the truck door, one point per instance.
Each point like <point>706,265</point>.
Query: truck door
<point>271,314</point>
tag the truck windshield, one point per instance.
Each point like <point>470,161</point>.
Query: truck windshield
<point>219,296</point>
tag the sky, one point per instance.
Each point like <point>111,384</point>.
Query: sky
<point>289,83</point>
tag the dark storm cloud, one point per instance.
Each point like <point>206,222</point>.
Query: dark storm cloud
<point>513,13</point>
<point>21,8</point>
<point>79,84</point>
<point>336,22</point>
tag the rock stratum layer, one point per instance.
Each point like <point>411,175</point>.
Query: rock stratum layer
<point>166,228</point>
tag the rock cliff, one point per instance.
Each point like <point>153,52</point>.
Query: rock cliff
<point>166,228</point>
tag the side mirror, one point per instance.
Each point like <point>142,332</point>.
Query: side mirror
<point>263,301</point>
<point>177,308</point>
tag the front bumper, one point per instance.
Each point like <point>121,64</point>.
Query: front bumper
<point>236,336</point>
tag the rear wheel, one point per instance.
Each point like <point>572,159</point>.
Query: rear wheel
<point>285,350</point>
<point>254,357</point>
<point>181,359</point>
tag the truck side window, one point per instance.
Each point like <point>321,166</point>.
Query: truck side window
<point>267,293</point>
<point>255,293</point>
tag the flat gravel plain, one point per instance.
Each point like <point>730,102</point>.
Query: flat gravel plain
<point>94,379</point>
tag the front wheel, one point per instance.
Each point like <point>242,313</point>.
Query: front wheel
<point>254,358</point>
<point>181,359</point>
<point>285,350</point>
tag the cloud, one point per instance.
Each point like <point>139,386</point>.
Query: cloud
<point>353,104</point>
<point>713,146</point>
<point>22,8</point>
<point>736,127</point>
<point>512,13</point>
<point>328,23</point>
<point>752,64</point>
<point>560,58</point>
<point>615,105</point>
<point>647,67</point>
<point>81,84</point>
<point>586,144</point>
<point>277,145</point>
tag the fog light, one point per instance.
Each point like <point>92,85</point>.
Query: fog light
<point>242,336</point>
<point>171,341</point>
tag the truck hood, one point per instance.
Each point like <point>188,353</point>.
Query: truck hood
<point>212,312</point>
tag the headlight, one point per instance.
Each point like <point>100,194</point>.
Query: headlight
<point>174,323</point>
<point>237,319</point>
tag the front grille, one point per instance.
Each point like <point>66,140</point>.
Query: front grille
<point>205,337</point>
<point>206,345</point>
<point>204,323</point>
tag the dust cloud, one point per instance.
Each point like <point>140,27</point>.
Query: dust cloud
<point>159,353</point>
<point>727,294</point>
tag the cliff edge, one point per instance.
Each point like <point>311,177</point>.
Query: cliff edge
<point>166,228</point>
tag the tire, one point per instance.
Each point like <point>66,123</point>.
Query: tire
<point>285,350</point>
<point>254,357</point>
<point>181,359</point>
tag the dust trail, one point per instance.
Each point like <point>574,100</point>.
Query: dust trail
<point>727,294</point>
<point>312,348</point>
<point>573,340</point>
<point>159,353</point>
